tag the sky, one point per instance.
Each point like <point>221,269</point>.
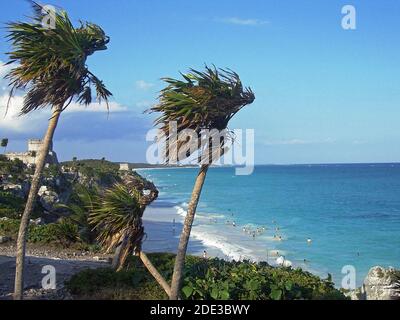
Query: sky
<point>323,94</point>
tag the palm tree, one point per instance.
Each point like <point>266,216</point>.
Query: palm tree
<point>80,207</point>
<point>4,144</point>
<point>52,67</point>
<point>117,220</point>
<point>202,101</point>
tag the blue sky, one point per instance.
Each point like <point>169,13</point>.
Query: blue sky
<point>323,94</point>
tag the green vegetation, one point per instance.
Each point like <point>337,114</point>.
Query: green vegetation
<point>117,219</point>
<point>4,144</point>
<point>203,279</point>
<point>64,233</point>
<point>11,206</point>
<point>102,172</point>
<point>16,167</point>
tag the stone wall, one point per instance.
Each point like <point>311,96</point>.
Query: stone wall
<point>31,156</point>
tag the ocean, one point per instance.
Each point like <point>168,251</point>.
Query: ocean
<point>320,217</point>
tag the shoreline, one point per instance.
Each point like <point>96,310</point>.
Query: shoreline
<point>219,239</point>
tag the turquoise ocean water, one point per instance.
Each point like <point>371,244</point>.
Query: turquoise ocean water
<point>351,213</point>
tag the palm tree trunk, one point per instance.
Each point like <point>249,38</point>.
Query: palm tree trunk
<point>153,271</point>
<point>187,228</point>
<point>117,263</point>
<point>23,228</point>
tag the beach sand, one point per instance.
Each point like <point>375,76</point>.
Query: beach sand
<point>212,235</point>
<point>162,236</point>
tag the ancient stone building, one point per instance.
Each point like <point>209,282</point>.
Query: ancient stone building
<point>31,156</point>
<point>124,167</point>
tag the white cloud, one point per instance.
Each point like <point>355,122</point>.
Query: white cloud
<point>243,22</point>
<point>12,122</point>
<point>143,85</point>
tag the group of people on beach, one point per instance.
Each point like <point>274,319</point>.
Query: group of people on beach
<point>255,232</point>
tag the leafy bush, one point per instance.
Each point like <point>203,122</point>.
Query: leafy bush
<point>15,167</point>
<point>110,285</point>
<point>11,206</point>
<point>204,279</point>
<point>218,279</point>
<point>9,228</point>
<point>64,232</point>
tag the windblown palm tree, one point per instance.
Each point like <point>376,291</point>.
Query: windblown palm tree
<point>4,144</point>
<point>51,65</point>
<point>202,101</point>
<point>117,220</point>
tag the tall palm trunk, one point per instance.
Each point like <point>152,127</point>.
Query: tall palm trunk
<point>187,228</point>
<point>154,272</point>
<point>23,228</point>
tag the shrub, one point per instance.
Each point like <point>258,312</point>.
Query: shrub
<point>64,232</point>
<point>205,279</point>
<point>11,206</point>
<point>9,228</point>
<point>218,279</point>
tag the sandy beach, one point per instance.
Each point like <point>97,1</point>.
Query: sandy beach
<point>228,243</point>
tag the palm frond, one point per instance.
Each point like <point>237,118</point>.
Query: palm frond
<point>119,213</point>
<point>51,63</point>
<point>201,101</point>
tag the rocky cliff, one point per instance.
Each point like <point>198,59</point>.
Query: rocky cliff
<point>58,185</point>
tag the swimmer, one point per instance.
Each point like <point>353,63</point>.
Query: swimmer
<point>309,241</point>
<point>234,224</point>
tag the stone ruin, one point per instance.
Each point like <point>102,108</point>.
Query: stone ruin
<point>31,156</point>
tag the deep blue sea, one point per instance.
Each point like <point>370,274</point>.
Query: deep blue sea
<point>350,213</point>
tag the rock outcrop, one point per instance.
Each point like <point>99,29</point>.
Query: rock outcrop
<point>379,284</point>
<point>382,284</point>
